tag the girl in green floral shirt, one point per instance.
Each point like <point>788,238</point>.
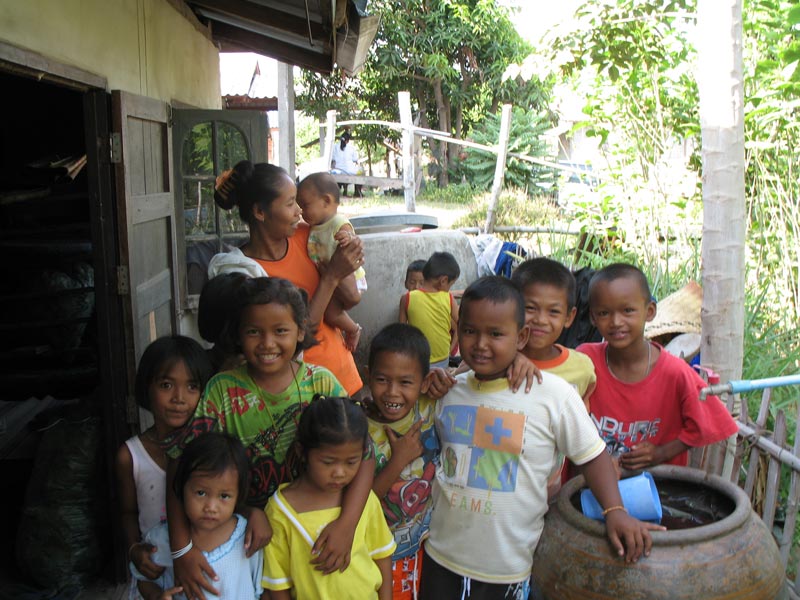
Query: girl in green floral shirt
<point>260,403</point>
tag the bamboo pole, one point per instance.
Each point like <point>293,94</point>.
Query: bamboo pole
<point>791,500</point>
<point>746,430</point>
<point>774,473</point>
<point>330,137</point>
<point>406,120</point>
<point>500,167</point>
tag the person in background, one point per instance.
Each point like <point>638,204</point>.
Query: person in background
<point>318,197</point>
<point>432,308</point>
<point>414,276</point>
<point>170,379</point>
<point>331,442</point>
<point>213,311</point>
<point>345,157</point>
<point>497,452</point>
<point>646,404</point>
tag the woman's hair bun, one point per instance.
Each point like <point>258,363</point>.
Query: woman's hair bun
<point>229,184</point>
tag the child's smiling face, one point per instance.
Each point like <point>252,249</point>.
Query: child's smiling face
<point>547,313</point>
<point>395,380</point>
<point>489,336</point>
<point>620,310</point>
<point>269,335</point>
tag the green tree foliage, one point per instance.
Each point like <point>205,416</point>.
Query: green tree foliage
<point>643,98</point>
<point>638,58</point>
<point>772,111</point>
<point>451,56</point>
<point>526,137</point>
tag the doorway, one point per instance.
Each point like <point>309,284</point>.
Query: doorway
<point>62,370</point>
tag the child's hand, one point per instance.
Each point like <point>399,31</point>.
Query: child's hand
<point>141,556</point>
<point>522,370</point>
<point>641,456</point>
<point>193,573</point>
<point>346,259</point>
<point>343,237</point>
<point>258,532</point>
<point>437,383</point>
<point>408,447</point>
<point>168,594</point>
<point>630,537</point>
<point>331,551</point>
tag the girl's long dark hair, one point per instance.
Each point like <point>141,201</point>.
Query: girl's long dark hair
<point>250,184</point>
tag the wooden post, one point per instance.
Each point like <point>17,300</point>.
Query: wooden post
<point>330,137</point>
<point>404,100</point>
<point>286,147</point>
<point>500,167</point>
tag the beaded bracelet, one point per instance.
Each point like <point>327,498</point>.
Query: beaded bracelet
<point>613,508</point>
<point>176,554</point>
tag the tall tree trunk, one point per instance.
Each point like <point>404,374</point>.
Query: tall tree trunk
<point>444,125</point>
<point>722,128</point>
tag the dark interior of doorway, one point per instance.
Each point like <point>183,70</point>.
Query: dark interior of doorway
<point>51,387</point>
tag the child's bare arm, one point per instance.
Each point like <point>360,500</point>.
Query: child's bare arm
<point>277,595</point>
<point>438,382</point>
<point>403,313</point>
<point>139,553</point>
<point>646,454</point>
<point>347,292</point>
<point>453,324</point>
<point>332,548</point>
<point>385,566</point>
<point>628,536</point>
<point>405,449</point>
<point>344,262</point>
<point>258,532</point>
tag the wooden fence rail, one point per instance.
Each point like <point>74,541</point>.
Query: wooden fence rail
<point>767,458</point>
<point>410,159</point>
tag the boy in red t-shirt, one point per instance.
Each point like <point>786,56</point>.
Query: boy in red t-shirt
<point>646,404</point>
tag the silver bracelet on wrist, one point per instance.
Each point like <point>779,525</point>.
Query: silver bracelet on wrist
<point>178,553</point>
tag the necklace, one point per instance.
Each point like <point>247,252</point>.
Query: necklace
<point>647,370</point>
<point>150,434</point>
<point>260,393</point>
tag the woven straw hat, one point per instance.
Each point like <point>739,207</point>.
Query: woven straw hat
<point>677,313</point>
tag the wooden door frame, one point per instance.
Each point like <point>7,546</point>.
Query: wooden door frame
<point>128,216</point>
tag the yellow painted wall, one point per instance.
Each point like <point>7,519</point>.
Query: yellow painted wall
<point>142,46</point>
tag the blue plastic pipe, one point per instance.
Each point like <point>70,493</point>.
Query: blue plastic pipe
<point>748,385</point>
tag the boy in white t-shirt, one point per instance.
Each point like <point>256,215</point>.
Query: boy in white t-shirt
<point>497,450</point>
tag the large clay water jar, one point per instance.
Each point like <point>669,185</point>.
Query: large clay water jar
<point>734,557</point>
